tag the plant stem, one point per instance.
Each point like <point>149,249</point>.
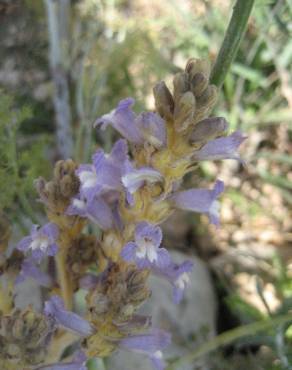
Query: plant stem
<point>229,337</point>
<point>233,36</point>
<point>64,278</point>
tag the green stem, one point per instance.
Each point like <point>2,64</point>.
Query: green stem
<point>229,337</point>
<point>233,36</point>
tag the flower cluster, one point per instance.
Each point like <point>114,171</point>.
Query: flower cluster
<point>127,193</point>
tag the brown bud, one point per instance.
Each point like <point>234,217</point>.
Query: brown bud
<point>180,86</point>
<point>63,168</point>
<point>205,103</point>
<point>25,336</point>
<point>184,111</point>
<point>208,129</point>
<point>98,304</point>
<point>195,66</point>
<point>163,100</point>
<point>199,84</point>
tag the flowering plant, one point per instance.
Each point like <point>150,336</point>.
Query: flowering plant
<point>128,193</point>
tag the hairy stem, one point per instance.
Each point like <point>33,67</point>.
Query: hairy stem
<point>229,337</point>
<point>233,36</point>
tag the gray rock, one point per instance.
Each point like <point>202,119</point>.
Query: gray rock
<point>191,323</point>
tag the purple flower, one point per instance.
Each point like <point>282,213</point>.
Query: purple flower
<point>78,363</point>
<point>134,178</point>
<point>41,242</point>
<point>30,270</point>
<point>221,148</point>
<point>123,120</point>
<point>178,276</point>
<point>105,173</point>
<point>150,344</point>
<point>146,251</point>
<point>54,308</point>
<point>147,127</point>
<point>97,210</point>
<point>200,200</point>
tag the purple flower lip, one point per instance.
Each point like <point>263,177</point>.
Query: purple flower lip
<point>134,178</point>
<point>200,200</point>
<point>151,344</point>
<point>146,251</point>
<point>41,242</point>
<point>221,148</point>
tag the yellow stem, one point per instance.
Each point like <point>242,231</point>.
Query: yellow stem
<point>6,301</point>
<point>64,278</point>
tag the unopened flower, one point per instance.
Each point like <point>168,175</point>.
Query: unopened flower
<point>55,309</point>
<point>208,129</point>
<point>150,344</point>
<point>146,250</point>
<point>200,200</point>
<point>41,242</point>
<point>221,148</point>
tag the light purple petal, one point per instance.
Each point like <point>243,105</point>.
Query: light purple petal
<point>24,244</point>
<point>177,275</point>
<point>153,128</point>
<point>158,361</point>
<point>55,309</point>
<point>123,120</point>
<point>119,152</point>
<point>149,343</point>
<point>221,148</point>
<point>128,252</point>
<point>41,242</point>
<point>77,206</point>
<point>133,178</point>
<point>50,230</point>
<point>148,232</point>
<point>100,213</point>
<point>163,259</point>
<point>30,270</point>
<point>200,200</point>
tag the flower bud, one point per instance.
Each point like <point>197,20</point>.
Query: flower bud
<point>205,103</point>
<point>180,86</point>
<point>195,66</point>
<point>163,100</point>
<point>184,111</point>
<point>199,83</point>
<point>208,129</point>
